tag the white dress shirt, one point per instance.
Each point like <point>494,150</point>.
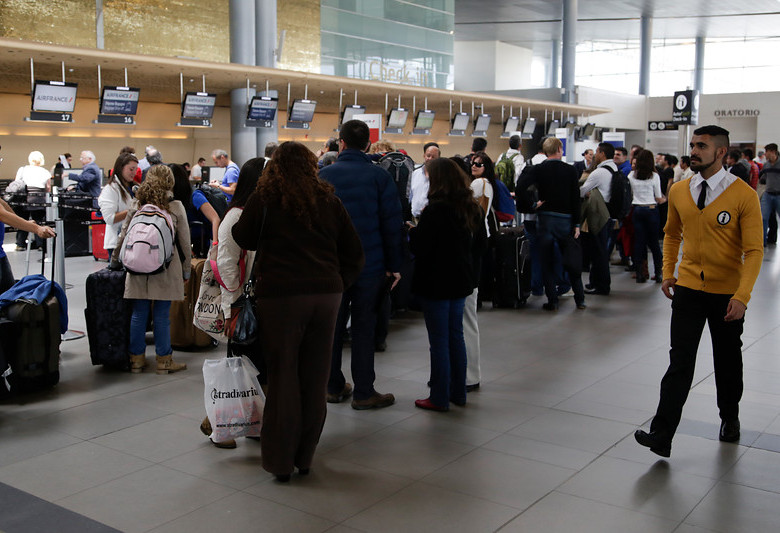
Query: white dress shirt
<point>600,179</point>
<point>716,184</point>
<point>418,193</point>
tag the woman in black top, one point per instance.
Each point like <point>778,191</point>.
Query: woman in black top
<point>447,244</point>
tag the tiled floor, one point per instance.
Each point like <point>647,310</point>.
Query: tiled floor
<point>545,445</point>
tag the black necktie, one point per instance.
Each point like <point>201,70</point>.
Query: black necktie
<point>702,196</point>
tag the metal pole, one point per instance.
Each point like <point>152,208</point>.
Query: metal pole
<point>646,45</point>
<point>569,50</point>
<point>555,63</point>
<point>99,32</point>
<point>243,140</point>
<point>266,55</point>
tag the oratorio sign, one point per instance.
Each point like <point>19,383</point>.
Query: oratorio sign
<point>737,112</point>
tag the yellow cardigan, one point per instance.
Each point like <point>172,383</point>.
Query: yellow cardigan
<point>722,244</point>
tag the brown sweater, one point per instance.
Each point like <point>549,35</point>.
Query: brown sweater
<point>294,259</point>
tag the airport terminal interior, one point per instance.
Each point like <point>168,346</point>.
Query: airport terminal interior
<point>546,443</point>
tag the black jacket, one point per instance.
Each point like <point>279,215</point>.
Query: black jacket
<point>556,183</point>
<point>446,253</point>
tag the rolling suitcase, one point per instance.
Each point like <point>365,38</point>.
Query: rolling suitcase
<point>512,268</point>
<point>30,336</point>
<point>184,334</point>
<point>108,319</point>
<point>98,230</point>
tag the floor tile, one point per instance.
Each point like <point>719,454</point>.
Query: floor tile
<point>427,509</point>
<point>759,469</point>
<point>543,452</point>
<point>729,508</point>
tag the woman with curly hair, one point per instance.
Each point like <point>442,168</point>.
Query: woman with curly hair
<point>163,287</point>
<point>308,253</point>
<point>447,244</point>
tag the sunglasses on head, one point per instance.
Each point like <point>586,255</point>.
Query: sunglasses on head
<point>477,164</point>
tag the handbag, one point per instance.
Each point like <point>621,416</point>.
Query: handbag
<point>208,315</point>
<point>242,327</point>
<point>233,397</point>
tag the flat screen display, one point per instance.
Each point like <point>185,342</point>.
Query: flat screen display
<point>350,111</point>
<point>554,125</point>
<point>511,124</point>
<point>461,121</point>
<point>588,130</point>
<point>397,118</point>
<point>119,100</point>
<point>56,96</point>
<point>302,111</point>
<point>570,128</point>
<point>529,126</point>
<point>262,108</point>
<point>424,119</point>
<point>198,105</point>
<point>482,123</point>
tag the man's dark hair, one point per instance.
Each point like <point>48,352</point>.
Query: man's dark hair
<point>479,144</point>
<point>333,145</point>
<point>514,142</point>
<point>720,135</point>
<point>355,134</point>
<point>771,146</point>
<point>671,160</point>
<point>607,149</point>
<point>67,154</point>
<point>686,159</point>
<point>749,153</point>
<point>269,149</point>
<point>622,150</point>
<point>735,154</point>
<point>201,160</point>
<point>635,148</point>
<point>428,145</point>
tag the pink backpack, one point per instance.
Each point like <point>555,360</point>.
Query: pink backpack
<point>149,241</point>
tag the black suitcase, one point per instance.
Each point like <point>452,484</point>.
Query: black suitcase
<point>512,268</point>
<point>108,319</point>
<point>30,338</point>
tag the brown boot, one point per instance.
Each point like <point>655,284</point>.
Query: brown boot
<point>165,364</point>
<point>137,363</point>
<point>205,428</point>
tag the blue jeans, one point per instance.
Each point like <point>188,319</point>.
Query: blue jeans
<point>552,230</point>
<point>646,222</point>
<point>770,207</point>
<point>537,283</point>
<point>162,327</point>
<point>363,297</point>
<point>444,322</point>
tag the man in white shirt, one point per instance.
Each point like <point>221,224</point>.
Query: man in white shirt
<point>418,194</point>
<point>515,155</point>
<point>196,174</point>
<point>597,243</point>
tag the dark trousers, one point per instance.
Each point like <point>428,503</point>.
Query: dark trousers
<point>553,229</point>
<point>646,222</point>
<point>296,339</point>
<point>38,215</point>
<point>598,252</point>
<point>384,310</point>
<point>537,284</point>
<point>444,322</point>
<point>363,298</point>
<point>690,310</point>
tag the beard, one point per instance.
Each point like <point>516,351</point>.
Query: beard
<point>697,165</point>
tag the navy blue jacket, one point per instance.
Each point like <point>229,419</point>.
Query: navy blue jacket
<point>89,182</point>
<point>37,287</point>
<point>371,199</point>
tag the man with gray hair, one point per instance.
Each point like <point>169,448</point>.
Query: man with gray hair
<point>91,177</point>
<point>229,180</point>
<point>144,163</point>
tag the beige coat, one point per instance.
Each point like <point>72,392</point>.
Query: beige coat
<point>167,285</point>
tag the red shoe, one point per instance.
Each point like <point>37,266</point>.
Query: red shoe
<point>429,405</point>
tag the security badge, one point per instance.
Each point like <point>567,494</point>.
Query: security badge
<point>724,217</point>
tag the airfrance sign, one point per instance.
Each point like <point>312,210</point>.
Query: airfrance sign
<point>59,98</point>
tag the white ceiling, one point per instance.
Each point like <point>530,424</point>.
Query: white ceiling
<point>535,23</point>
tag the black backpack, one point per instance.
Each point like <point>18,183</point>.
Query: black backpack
<point>217,199</point>
<point>400,167</point>
<point>621,196</point>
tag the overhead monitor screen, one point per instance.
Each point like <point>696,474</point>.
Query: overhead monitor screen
<point>570,128</point>
<point>302,111</point>
<point>350,111</point>
<point>424,119</point>
<point>529,126</point>
<point>483,121</point>
<point>554,125</point>
<point>397,118</point>
<point>262,108</point>
<point>56,96</point>
<point>588,130</point>
<point>461,121</point>
<point>511,124</point>
<point>198,105</point>
<point>119,100</point>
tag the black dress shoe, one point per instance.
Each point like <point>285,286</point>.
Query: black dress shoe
<point>472,388</point>
<point>594,290</point>
<point>282,478</point>
<point>657,444</point>
<point>550,306</point>
<point>588,286</point>
<point>729,430</point>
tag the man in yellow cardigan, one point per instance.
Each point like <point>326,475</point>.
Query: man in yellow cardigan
<point>717,217</point>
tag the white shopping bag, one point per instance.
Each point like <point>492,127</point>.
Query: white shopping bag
<point>234,400</point>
